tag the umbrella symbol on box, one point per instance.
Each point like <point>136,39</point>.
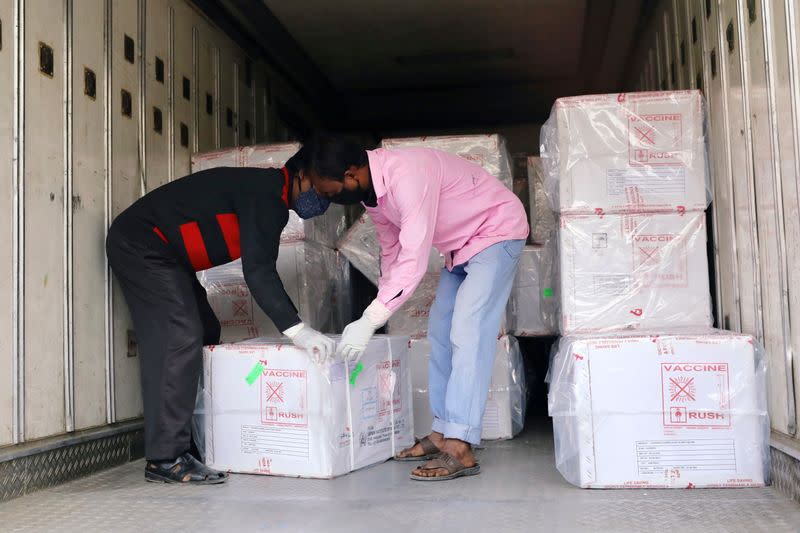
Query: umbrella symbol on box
<point>677,414</point>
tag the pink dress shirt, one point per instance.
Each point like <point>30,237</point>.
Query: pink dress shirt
<point>431,198</point>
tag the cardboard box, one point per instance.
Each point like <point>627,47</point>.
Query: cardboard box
<point>635,152</point>
<point>488,151</point>
<point>325,229</point>
<point>504,415</point>
<point>316,278</point>
<point>270,410</point>
<point>532,309</point>
<point>633,272</point>
<point>668,411</point>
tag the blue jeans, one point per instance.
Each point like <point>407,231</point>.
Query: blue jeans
<point>462,331</point>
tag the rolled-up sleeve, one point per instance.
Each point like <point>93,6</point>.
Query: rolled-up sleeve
<point>404,264</point>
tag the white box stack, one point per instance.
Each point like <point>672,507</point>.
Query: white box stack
<point>627,152</point>
<point>668,411</point>
<point>637,401</point>
<point>642,271</point>
<point>314,274</point>
<point>628,175</point>
<point>316,278</point>
<point>489,151</point>
<point>504,415</point>
<point>268,409</point>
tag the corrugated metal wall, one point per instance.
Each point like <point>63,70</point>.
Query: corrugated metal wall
<point>109,99</point>
<point>744,55</point>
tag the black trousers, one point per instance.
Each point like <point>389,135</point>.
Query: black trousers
<point>173,321</point>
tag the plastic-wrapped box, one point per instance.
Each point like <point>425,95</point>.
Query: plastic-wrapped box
<point>262,156</point>
<point>543,220</point>
<point>268,409</point>
<point>360,246</point>
<point>504,415</point>
<point>316,278</point>
<point>633,272</point>
<point>412,317</point>
<point>634,152</point>
<point>532,309</point>
<point>489,151</point>
<point>683,410</point>
<point>325,229</point>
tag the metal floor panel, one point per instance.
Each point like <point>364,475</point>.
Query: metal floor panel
<point>518,490</point>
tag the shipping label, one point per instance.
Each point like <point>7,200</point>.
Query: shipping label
<point>284,400</point>
<point>695,395</point>
<point>660,260</point>
<point>655,140</point>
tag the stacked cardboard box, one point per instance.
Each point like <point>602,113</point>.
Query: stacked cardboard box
<point>489,151</point>
<point>268,409</point>
<point>663,411</point>
<point>628,175</point>
<point>314,274</point>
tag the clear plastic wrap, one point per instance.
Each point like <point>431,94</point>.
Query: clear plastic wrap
<point>532,309</point>
<point>360,246</point>
<point>646,271</point>
<point>543,220</point>
<point>412,317</point>
<point>677,410</point>
<point>325,229</point>
<point>316,278</point>
<point>262,156</point>
<point>266,408</point>
<point>504,415</point>
<point>489,151</point>
<point>629,152</point>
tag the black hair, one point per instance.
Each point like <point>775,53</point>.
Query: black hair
<point>329,156</point>
<point>297,161</point>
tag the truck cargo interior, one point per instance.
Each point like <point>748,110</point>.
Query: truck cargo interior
<point>651,337</point>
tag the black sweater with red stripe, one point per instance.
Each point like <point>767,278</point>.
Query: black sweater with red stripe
<point>213,217</point>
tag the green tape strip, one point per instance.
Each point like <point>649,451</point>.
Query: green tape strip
<point>355,372</point>
<point>547,292</point>
<point>253,375</point>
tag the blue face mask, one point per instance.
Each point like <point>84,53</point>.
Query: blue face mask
<point>309,204</point>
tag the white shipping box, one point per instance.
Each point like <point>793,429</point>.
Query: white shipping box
<point>635,152</point>
<point>504,415</point>
<point>668,411</point>
<point>325,229</point>
<point>360,246</point>
<point>633,272</point>
<point>532,309</point>
<point>489,151</point>
<point>316,278</point>
<point>270,410</point>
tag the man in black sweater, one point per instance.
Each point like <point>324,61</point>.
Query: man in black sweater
<point>156,246</point>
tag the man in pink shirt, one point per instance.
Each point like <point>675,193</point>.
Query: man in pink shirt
<point>420,198</point>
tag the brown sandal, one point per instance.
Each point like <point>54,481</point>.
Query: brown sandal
<point>429,449</point>
<point>453,466</point>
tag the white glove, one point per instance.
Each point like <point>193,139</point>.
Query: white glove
<point>356,335</point>
<point>318,346</point>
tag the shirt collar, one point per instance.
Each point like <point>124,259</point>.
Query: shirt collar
<point>376,160</point>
